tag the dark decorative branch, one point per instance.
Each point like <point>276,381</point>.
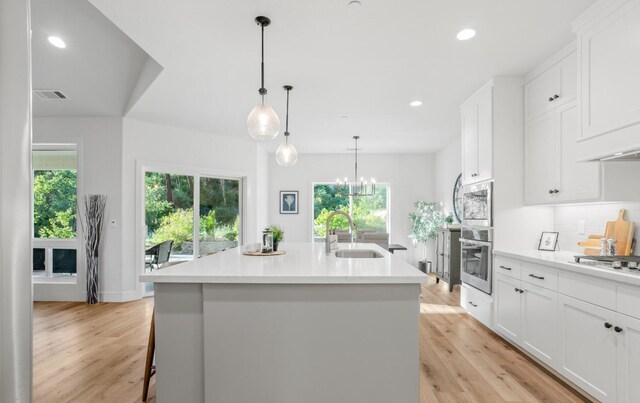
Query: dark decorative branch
<point>92,223</point>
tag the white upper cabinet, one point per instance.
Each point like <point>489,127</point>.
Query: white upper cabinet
<point>552,173</point>
<point>553,87</point>
<point>609,83</point>
<point>477,137</point>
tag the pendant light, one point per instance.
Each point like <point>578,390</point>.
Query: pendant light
<point>286,155</point>
<point>363,188</point>
<point>263,122</point>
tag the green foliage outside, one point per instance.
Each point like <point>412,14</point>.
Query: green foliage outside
<point>425,222</point>
<point>54,204</point>
<point>369,212</point>
<point>169,208</point>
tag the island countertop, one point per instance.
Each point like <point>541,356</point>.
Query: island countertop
<point>303,263</point>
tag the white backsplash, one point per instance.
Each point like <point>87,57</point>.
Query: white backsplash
<point>567,219</point>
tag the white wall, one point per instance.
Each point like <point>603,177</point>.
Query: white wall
<point>447,166</point>
<point>99,172</point>
<point>410,177</point>
<point>595,217</point>
<point>157,145</point>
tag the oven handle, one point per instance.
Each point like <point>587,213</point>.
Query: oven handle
<point>473,242</point>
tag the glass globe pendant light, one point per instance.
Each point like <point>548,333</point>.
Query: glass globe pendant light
<point>263,122</point>
<point>286,154</point>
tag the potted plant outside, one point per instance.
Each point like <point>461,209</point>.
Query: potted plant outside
<point>425,222</point>
<point>278,235</point>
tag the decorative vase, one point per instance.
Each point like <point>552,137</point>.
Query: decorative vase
<point>92,279</point>
<point>92,223</point>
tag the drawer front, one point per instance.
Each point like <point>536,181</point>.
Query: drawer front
<point>589,289</point>
<point>477,303</point>
<point>508,267</point>
<point>628,300</point>
<point>541,276</point>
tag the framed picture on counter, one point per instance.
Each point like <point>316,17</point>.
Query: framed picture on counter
<point>548,241</point>
<point>288,202</point>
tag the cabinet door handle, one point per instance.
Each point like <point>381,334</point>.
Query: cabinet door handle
<point>521,291</point>
<point>556,191</point>
<point>505,267</point>
<point>618,329</point>
<point>538,277</point>
<point>556,96</point>
<point>472,304</point>
<point>550,99</point>
<point>608,325</point>
<point>550,191</point>
<point>516,289</point>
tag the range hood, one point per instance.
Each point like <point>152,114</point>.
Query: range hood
<point>628,156</point>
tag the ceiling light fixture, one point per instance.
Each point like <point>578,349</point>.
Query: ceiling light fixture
<point>364,188</point>
<point>466,34</point>
<point>286,154</point>
<point>415,103</point>
<point>263,122</point>
<point>57,42</point>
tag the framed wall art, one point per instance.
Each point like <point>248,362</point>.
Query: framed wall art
<point>289,202</point>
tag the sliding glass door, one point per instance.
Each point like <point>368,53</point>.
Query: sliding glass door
<point>173,232</point>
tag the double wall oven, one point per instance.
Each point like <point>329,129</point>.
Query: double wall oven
<point>477,236</point>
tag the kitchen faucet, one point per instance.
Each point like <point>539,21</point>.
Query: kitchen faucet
<point>327,241</point>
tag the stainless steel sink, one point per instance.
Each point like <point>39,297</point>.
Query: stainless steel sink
<point>358,253</point>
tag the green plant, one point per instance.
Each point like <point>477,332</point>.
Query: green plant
<point>277,232</point>
<point>425,222</point>
<point>177,226</point>
<point>449,219</point>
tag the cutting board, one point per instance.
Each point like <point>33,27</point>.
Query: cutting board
<point>622,231</point>
<point>278,253</point>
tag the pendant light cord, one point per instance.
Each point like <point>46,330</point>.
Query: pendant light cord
<point>262,91</point>
<point>355,180</point>
<point>286,128</point>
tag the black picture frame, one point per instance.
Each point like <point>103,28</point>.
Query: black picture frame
<point>287,204</point>
<point>548,241</point>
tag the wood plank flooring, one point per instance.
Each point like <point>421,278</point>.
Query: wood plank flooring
<point>96,354</point>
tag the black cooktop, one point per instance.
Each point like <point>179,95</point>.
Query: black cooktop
<point>608,259</point>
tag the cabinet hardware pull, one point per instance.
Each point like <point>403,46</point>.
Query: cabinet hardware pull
<point>608,325</point>
<point>505,267</point>
<point>538,277</point>
<point>516,289</point>
<point>473,305</point>
<point>550,191</point>
<point>521,291</point>
<point>617,329</point>
<point>550,99</point>
<point>556,191</point>
<point>556,96</point>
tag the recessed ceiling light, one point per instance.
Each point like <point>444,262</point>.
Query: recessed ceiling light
<point>616,154</point>
<point>57,42</point>
<point>415,103</point>
<point>465,34</point>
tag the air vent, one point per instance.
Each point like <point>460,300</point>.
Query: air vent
<point>49,94</point>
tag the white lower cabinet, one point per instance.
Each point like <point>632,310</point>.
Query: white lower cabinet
<point>588,346</point>
<point>628,359</point>
<point>526,314</point>
<point>477,303</point>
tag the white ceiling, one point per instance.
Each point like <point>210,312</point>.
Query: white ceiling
<point>98,69</point>
<point>367,63</point>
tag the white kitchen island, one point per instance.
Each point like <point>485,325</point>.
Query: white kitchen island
<point>300,327</point>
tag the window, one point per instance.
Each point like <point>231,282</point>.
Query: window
<point>54,210</point>
<point>369,213</point>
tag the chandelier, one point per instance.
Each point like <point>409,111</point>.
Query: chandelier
<point>355,188</point>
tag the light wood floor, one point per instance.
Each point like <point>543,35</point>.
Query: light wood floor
<point>96,354</point>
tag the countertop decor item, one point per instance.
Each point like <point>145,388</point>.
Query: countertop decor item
<point>274,253</point>
<point>288,202</point>
<point>286,154</point>
<point>263,122</point>
<point>425,222</point>
<point>278,235</point>
<point>548,241</point>
<point>92,222</point>
<point>621,231</point>
<point>362,188</point>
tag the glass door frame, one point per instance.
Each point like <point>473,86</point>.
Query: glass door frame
<point>142,167</point>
